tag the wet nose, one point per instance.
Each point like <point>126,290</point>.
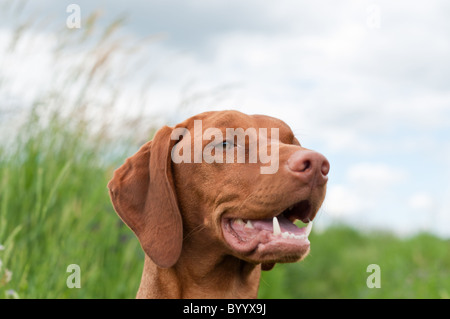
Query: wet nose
<point>309,164</point>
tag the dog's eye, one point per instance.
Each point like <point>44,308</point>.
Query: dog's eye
<point>226,145</point>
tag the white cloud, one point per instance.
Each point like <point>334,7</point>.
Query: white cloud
<point>343,201</point>
<point>375,175</point>
<point>27,65</point>
<point>363,189</point>
<point>422,202</point>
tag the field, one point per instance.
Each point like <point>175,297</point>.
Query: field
<point>55,209</point>
<point>337,267</point>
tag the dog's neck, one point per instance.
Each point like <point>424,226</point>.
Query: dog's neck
<point>227,277</point>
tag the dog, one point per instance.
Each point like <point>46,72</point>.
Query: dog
<point>209,222</point>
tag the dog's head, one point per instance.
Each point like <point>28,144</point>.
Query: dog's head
<point>225,180</point>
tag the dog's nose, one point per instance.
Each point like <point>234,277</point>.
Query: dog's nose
<point>308,165</point>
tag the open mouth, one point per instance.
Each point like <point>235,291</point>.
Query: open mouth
<point>275,239</point>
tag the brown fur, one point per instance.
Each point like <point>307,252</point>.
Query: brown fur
<point>176,210</point>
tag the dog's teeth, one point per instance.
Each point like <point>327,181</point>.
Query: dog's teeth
<point>239,221</point>
<point>249,224</point>
<point>276,227</point>
<point>308,228</point>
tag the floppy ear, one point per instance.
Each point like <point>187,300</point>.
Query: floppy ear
<point>143,194</point>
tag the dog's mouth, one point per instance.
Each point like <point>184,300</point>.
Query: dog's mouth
<point>271,240</point>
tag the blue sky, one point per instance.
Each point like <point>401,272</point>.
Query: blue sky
<point>365,82</point>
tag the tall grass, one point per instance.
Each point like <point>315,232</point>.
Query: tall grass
<point>55,162</point>
<point>55,211</point>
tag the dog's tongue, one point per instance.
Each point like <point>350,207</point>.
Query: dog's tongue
<point>278,227</point>
<point>281,226</point>
<point>272,240</point>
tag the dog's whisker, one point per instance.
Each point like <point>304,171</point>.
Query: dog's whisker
<point>193,231</point>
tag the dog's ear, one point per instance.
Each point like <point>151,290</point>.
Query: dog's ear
<point>143,194</point>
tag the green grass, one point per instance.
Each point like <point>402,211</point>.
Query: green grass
<point>417,267</point>
<point>55,211</point>
<point>54,167</point>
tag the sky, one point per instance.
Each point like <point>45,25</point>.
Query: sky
<point>364,82</point>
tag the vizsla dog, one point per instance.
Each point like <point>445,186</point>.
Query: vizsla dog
<point>208,228</point>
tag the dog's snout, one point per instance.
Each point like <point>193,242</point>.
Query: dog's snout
<point>310,165</point>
